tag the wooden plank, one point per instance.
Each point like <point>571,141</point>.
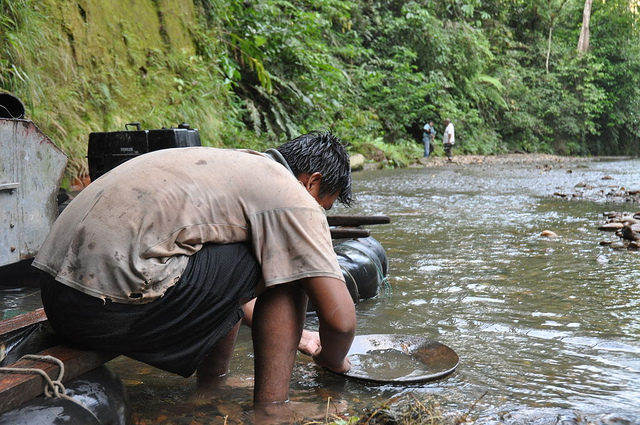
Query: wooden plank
<point>16,389</point>
<point>357,220</point>
<point>349,232</point>
<point>22,321</point>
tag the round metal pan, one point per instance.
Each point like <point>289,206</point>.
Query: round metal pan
<point>391,358</point>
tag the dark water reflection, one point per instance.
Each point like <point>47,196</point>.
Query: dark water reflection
<point>541,325</point>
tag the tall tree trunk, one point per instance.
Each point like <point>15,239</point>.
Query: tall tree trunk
<point>549,47</point>
<point>583,41</point>
<point>554,13</point>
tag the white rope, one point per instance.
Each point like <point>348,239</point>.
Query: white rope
<point>52,387</point>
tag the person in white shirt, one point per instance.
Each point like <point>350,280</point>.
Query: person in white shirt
<point>449,139</point>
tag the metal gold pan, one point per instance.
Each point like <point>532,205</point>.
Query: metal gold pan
<point>391,358</point>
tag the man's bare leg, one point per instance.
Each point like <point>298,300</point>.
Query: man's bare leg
<point>277,326</point>
<point>213,369</point>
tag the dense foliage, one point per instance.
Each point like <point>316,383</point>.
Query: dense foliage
<point>507,73</point>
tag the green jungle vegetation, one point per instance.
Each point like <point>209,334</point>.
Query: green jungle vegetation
<point>513,75</point>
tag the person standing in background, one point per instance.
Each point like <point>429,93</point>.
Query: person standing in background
<point>449,139</point>
<point>428,135</point>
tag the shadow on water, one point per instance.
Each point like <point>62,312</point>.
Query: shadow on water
<point>543,326</point>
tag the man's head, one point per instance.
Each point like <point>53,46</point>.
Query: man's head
<point>447,121</point>
<point>321,163</point>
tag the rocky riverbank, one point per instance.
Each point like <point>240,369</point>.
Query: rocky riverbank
<point>625,226</point>
<point>605,191</point>
<point>545,160</point>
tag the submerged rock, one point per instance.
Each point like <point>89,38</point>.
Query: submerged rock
<point>549,234</point>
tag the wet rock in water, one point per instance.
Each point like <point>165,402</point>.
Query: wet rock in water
<point>625,226</point>
<point>548,234</point>
<point>572,418</point>
<point>611,227</point>
<point>634,246</point>
<point>627,219</point>
<point>602,193</point>
<point>630,232</point>
<point>618,245</point>
<point>612,419</point>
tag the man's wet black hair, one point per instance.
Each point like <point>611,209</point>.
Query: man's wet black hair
<point>324,153</point>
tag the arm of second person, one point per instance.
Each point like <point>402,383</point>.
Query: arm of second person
<point>309,342</point>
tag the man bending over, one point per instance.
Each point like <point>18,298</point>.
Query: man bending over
<point>155,260</point>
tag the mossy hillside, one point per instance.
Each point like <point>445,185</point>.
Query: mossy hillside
<point>94,66</point>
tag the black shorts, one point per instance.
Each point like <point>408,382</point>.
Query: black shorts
<point>174,332</point>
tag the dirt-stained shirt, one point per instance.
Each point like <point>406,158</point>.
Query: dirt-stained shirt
<point>128,236</point>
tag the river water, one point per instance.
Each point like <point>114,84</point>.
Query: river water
<point>543,326</point>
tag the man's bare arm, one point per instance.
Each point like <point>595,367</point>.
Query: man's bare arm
<point>336,314</point>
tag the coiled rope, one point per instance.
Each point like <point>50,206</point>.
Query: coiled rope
<point>52,387</point>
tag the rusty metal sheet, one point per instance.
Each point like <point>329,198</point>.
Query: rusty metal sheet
<point>31,167</point>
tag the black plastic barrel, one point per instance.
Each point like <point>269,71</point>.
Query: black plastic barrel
<point>364,266</point>
<point>361,268</point>
<point>11,107</point>
<point>373,248</point>
<point>98,397</point>
<point>365,261</point>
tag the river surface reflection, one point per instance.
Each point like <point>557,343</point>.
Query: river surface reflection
<point>542,326</point>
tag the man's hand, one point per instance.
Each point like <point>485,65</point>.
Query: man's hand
<point>309,342</point>
<point>343,367</point>
<point>337,321</point>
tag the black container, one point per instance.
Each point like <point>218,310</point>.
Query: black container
<point>107,150</point>
<point>372,248</point>
<point>360,267</point>
<point>11,107</point>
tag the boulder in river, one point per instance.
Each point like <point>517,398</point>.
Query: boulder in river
<point>611,227</point>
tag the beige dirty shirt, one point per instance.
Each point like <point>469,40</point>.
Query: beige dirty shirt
<point>128,236</point>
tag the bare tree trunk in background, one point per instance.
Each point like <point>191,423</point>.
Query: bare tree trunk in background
<point>554,13</point>
<point>583,41</point>
<point>549,48</point>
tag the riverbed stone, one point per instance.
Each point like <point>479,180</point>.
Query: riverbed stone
<point>634,246</point>
<point>627,219</point>
<point>611,227</point>
<point>549,234</point>
<point>630,232</point>
<point>357,162</point>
